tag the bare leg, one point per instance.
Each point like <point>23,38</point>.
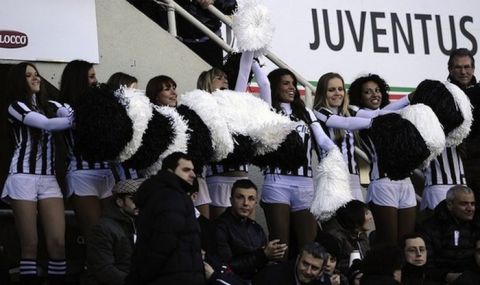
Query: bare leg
<point>386,223</point>
<point>304,226</point>
<point>87,211</point>
<point>278,222</point>
<point>216,211</point>
<point>25,214</point>
<point>406,221</point>
<point>204,210</point>
<point>53,220</point>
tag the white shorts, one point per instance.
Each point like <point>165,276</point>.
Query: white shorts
<point>203,196</point>
<point>30,187</point>
<point>90,182</point>
<point>295,191</point>
<point>356,187</point>
<point>220,189</point>
<point>399,194</point>
<point>433,195</point>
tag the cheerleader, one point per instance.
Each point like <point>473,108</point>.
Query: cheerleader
<point>392,202</point>
<point>88,182</point>
<point>31,186</point>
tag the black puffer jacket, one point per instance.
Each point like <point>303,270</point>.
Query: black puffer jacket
<point>168,235</point>
<point>239,244</point>
<point>444,255</point>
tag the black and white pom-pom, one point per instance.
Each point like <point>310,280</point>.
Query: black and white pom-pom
<point>332,186</point>
<point>252,26</point>
<point>102,125</point>
<point>139,110</point>
<point>179,140</point>
<point>427,124</point>
<point>200,142</point>
<point>250,116</point>
<point>399,146</point>
<point>205,107</point>
<point>451,106</point>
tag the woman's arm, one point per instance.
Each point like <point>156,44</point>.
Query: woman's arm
<point>263,83</point>
<point>244,71</point>
<point>20,112</point>
<point>323,141</point>
<point>340,122</point>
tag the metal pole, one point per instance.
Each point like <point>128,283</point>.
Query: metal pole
<point>172,24</point>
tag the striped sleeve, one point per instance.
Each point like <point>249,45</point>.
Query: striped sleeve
<point>18,111</point>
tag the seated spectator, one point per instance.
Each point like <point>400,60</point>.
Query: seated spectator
<point>305,269</point>
<point>240,241</point>
<point>382,265</point>
<point>450,235</point>
<point>349,227</point>
<point>330,274</point>
<point>415,254</point>
<point>110,242</point>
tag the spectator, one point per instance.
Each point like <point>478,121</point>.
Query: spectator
<point>195,39</point>
<point>461,68</point>
<point>168,244</point>
<point>31,185</point>
<point>382,266</point>
<point>305,269</point>
<point>110,242</point>
<point>240,241</point>
<point>471,277</point>
<point>330,274</point>
<point>415,254</point>
<point>450,235</point>
<point>349,227</point>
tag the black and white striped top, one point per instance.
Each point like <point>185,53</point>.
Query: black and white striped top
<point>214,169</point>
<point>375,170</point>
<point>304,131</point>
<point>347,146</point>
<point>121,172</point>
<point>34,151</point>
<point>445,169</point>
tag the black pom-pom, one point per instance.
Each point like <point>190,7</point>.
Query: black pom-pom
<point>155,140</point>
<point>102,126</point>
<point>434,94</point>
<point>199,147</point>
<point>399,146</point>
<point>288,157</point>
<point>243,151</point>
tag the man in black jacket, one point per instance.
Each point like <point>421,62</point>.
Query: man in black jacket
<point>305,269</point>
<point>240,242</point>
<point>450,235</point>
<point>168,235</point>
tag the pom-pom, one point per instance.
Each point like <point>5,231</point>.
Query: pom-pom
<point>156,139</point>
<point>332,186</point>
<point>205,107</point>
<point>179,141</point>
<point>457,135</point>
<point>252,26</point>
<point>102,125</point>
<point>243,151</point>
<point>200,145</point>
<point>400,154</point>
<point>428,126</point>
<point>139,110</point>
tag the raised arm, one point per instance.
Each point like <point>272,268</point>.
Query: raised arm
<point>263,83</point>
<point>20,112</point>
<point>399,104</point>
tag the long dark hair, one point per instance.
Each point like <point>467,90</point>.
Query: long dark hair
<point>298,107</point>
<point>156,85</point>
<point>119,79</point>
<point>74,81</point>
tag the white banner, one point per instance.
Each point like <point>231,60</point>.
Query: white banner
<point>48,30</point>
<point>402,41</point>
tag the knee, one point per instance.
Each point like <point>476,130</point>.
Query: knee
<point>56,247</point>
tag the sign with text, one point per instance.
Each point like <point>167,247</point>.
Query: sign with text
<point>48,30</point>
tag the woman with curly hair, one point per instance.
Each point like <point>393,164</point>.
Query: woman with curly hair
<point>392,202</point>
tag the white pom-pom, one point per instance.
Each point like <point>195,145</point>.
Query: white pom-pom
<point>252,26</point>
<point>429,127</point>
<point>139,110</point>
<point>180,138</point>
<point>457,135</point>
<point>205,106</point>
<point>332,186</point>
<point>248,115</point>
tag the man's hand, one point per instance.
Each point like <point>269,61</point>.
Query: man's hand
<point>335,279</point>
<point>275,250</point>
<point>208,270</point>
<point>204,3</point>
<point>450,277</point>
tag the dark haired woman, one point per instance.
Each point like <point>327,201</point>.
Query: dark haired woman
<point>89,182</point>
<point>350,227</point>
<point>31,186</point>
<point>392,202</point>
<point>288,195</point>
<point>119,79</point>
